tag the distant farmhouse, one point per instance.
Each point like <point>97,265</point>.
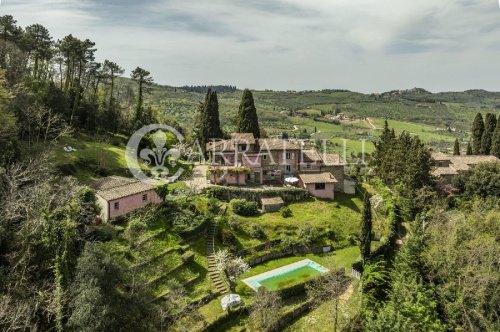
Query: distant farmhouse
<point>119,195</point>
<point>243,160</point>
<point>447,166</point>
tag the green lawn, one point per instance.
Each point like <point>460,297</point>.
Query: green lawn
<point>425,132</point>
<point>352,146</point>
<point>340,216</point>
<point>94,154</point>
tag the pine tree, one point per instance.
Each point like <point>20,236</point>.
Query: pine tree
<point>143,78</point>
<point>469,149</point>
<point>247,115</point>
<point>456,148</point>
<point>495,144</point>
<point>365,237</point>
<point>489,128</point>
<point>477,133</point>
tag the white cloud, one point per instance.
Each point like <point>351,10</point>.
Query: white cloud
<point>363,45</point>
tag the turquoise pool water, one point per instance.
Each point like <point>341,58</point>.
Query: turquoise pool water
<point>286,276</point>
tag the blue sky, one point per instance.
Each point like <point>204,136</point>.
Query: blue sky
<point>362,45</point>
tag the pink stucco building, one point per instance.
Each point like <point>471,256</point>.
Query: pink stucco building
<point>321,185</point>
<point>118,195</point>
<point>244,160</point>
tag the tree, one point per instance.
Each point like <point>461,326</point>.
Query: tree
<point>39,45</point>
<point>469,149</point>
<point>265,310</point>
<point>207,122</point>
<point>143,78</point>
<point>101,298</point>
<point>231,267</point>
<point>365,237</point>
<point>477,133</point>
<point>247,121</point>
<point>456,148</point>
<point>495,145</point>
<point>489,129</point>
<point>484,180</point>
<point>327,287</point>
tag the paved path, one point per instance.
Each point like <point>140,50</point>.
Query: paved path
<point>212,271</point>
<point>371,123</point>
<point>198,181</point>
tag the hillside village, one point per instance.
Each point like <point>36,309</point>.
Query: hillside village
<point>243,210</point>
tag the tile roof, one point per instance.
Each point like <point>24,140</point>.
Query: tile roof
<point>272,200</point>
<point>459,163</point>
<point>311,155</point>
<point>277,144</point>
<point>332,159</point>
<point>325,177</point>
<point>114,187</point>
<point>439,156</point>
<point>444,171</point>
<point>245,137</point>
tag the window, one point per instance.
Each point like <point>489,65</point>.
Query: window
<point>264,157</point>
<point>289,168</point>
<point>242,147</point>
<point>308,166</point>
<point>319,186</point>
<point>289,155</point>
<point>145,197</point>
<point>265,173</point>
<point>117,205</point>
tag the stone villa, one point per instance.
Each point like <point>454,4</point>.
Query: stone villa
<point>243,160</point>
<point>447,166</point>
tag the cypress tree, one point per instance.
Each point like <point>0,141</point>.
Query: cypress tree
<point>365,237</point>
<point>495,144</point>
<point>469,149</point>
<point>247,115</point>
<point>212,122</point>
<point>207,122</point>
<point>489,128</point>
<point>477,133</point>
<point>456,148</point>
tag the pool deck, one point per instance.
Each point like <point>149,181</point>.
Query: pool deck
<point>280,270</point>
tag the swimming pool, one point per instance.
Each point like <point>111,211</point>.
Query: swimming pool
<point>286,276</point>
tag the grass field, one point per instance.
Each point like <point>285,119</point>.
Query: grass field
<point>341,216</point>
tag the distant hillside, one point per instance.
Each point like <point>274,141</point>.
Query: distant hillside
<point>444,109</point>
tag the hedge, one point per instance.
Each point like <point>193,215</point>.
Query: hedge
<point>250,194</point>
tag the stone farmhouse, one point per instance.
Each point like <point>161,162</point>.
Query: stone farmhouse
<point>119,195</point>
<point>243,160</point>
<point>447,166</point>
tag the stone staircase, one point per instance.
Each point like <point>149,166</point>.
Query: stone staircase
<point>212,271</point>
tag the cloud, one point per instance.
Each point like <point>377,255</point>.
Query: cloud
<point>367,45</point>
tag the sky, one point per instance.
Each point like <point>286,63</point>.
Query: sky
<point>360,45</point>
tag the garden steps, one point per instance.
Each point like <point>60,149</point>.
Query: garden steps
<point>219,283</point>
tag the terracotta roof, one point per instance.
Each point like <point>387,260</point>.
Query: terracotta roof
<point>325,177</point>
<point>221,145</point>
<point>332,159</point>
<point>311,155</point>
<point>459,163</point>
<point>277,144</point>
<point>271,200</point>
<point>114,187</point>
<point>444,171</point>
<point>439,156</point>
<point>245,137</point>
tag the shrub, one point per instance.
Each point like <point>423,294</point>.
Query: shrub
<point>244,208</point>
<point>234,224</point>
<point>286,212</point>
<point>256,232</point>
<point>307,235</point>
